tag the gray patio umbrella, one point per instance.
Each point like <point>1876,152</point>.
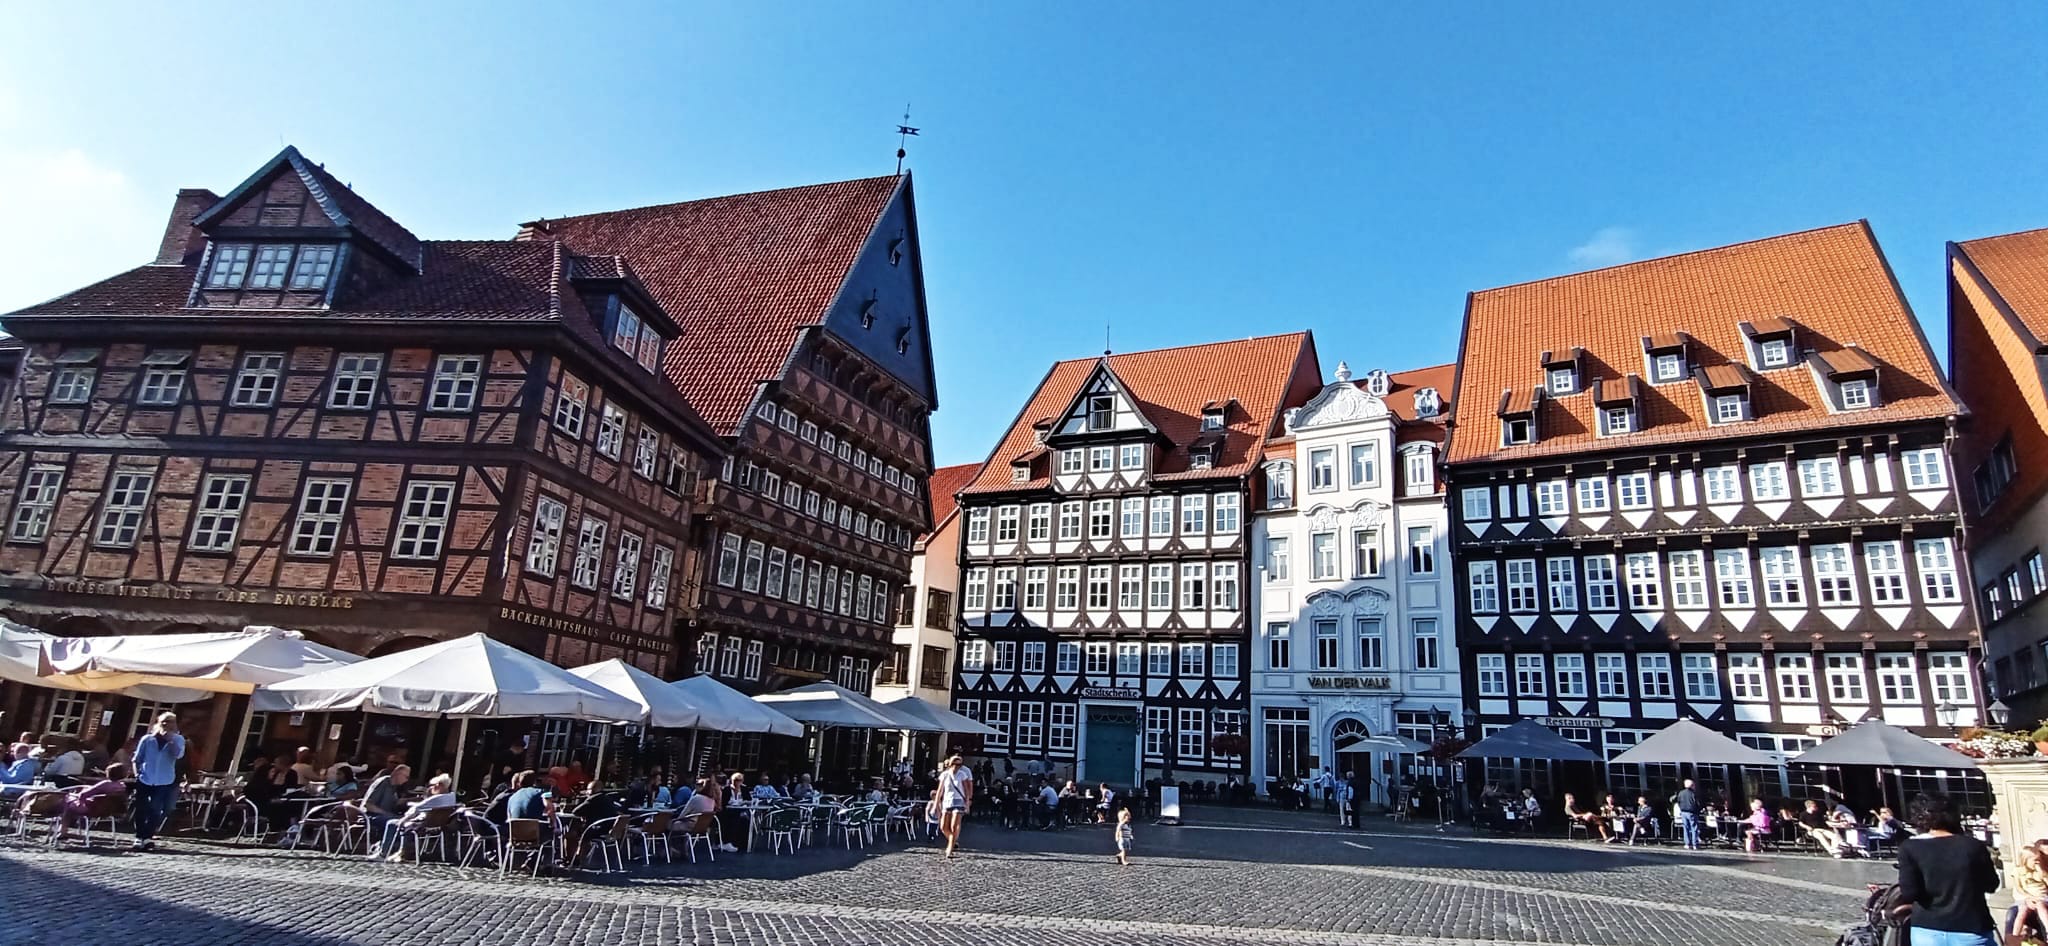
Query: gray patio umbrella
<point>1529,739</point>
<point>1686,741</point>
<point>1876,743</point>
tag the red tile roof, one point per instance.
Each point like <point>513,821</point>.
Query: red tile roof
<point>338,201</point>
<point>741,273</point>
<point>1833,281</point>
<point>1998,309</point>
<point>1401,388</point>
<point>2016,266</point>
<point>1264,374</point>
<point>946,483</point>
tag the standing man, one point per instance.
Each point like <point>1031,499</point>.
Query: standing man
<point>1688,804</point>
<point>1328,784</point>
<point>156,769</point>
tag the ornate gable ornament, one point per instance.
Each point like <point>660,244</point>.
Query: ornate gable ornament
<point>1360,601</point>
<point>1337,403</point>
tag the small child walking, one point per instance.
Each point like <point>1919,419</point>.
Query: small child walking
<point>1124,836</point>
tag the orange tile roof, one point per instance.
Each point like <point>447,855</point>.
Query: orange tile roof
<point>2016,266</point>
<point>1401,388</point>
<point>1617,390</point>
<point>946,483</point>
<point>1833,281</point>
<point>1264,374</point>
<point>1725,377</point>
<point>1847,361</point>
<point>1770,325</point>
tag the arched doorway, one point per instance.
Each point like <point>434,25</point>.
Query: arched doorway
<point>1347,733</point>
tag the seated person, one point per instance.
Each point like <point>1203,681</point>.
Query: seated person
<point>440,794</point>
<point>533,801</point>
<point>663,796</point>
<point>27,764</point>
<point>341,782</point>
<point>766,791</point>
<point>1889,828</point>
<point>1531,808</point>
<point>1105,810</point>
<point>1644,821</point>
<point>67,769</point>
<point>1591,819</point>
<point>76,804</point>
<point>500,807</point>
<point>700,810</point>
<point>876,796</point>
<point>1049,806</point>
<point>1756,827</point>
<point>1814,824</point>
<point>802,789</point>
<point>1843,819</point>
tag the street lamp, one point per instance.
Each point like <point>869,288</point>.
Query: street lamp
<point>1946,713</point>
<point>1999,712</point>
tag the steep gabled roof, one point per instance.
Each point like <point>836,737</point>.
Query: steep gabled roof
<point>2016,267</point>
<point>1833,282</point>
<point>1170,385</point>
<point>741,273</point>
<point>946,483</point>
<point>1998,312</point>
<point>342,205</point>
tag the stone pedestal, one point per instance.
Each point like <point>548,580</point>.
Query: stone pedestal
<point>2019,792</point>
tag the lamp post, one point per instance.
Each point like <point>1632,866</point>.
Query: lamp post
<point>1999,712</point>
<point>1946,714</point>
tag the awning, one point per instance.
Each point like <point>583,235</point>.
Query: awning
<point>724,709</point>
<point>830,705</point>
<point>663,705</point>
<point>217,662</point>
<point>471,676</point>
<point>936,717</point>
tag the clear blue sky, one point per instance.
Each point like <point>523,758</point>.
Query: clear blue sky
<point>1185,172</point>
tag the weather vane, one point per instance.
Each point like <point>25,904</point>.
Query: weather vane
<point>903,134</point>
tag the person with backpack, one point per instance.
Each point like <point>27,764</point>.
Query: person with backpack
<point>1944,878</point>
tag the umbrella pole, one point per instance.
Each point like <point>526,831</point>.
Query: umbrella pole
<point>242,741</point>
<point>604,738</point>
<point>690,761</point>
<point>461,743</point>
<point>426,760</point>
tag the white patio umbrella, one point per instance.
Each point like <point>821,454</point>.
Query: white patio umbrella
<point>218,662</point>
<point>938,718</point>
<point>829,705</point>
<point>21,661</point>
<point>662,704</point>
<point>725,709</point>
<point>466,678</point>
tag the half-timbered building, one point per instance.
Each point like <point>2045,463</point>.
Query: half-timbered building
<point>1104,615</point>
<point>807,350</point>
<point>1713,486</point>
<point>1997,323</point>
<point>301,414</point>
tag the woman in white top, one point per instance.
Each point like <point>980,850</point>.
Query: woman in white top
<point>954,796</point>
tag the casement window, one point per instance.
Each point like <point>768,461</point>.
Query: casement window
<point>662,564</point>
<point>1130,525</point>
<point>1329,650</point>
<point>769,414</point>
<point>1365,553</point>
<point>1072,460</point>
<point>1949,676</point>
<point>1194,662</point>
<point>879,606</point>
<point>1886,569</point>
<point>590,554</point>
<point>626,331</point>
<point>1101,459</point>
<point>1060,735</point>
<point>1130,587</point>
<point>1925,468</point>
<point>1427,647</point>
<point>1602,593</point>
<point>1820,476</point>
<point>544,545</point>
<point>1592,494</point>
<point>1223,661</point>
<point>1562,580</point>
<point>1322,469</point>
<point>996,716</point>
<point>1004,591</point>
<point>1006,524</point>
<point>1897,683</point>
<point>1746,678</point>
<point>750,563</point>
<point>1098,588</point>
<point>707,656</point>
<point>1194,586</point>
<point>272,260</point>
<point>626,569</point>
<point>611,432</point>
<point>1617,420</point>
<point>1006,657</point>
<point>1731,573</point>
<point>230,265</point>
<point>1101,518</point>
<point>1322,556</point>
<point>1194,514</point>
<point>1476,502</point>
<point>1493,674</point>
<point>1030,724</point>
<point>1419,473</point>
<point>1130,456</point>
<point>1034,587</point>
<point>1191,739</point>
<point>36,503</point>
<point>570,398</point>
<point>812,499</point>
<point>1729,408</point>
<point>1483,582</point>
<point>1521,581</point>
<point>644,451</point>
<point>1855,395</point>
<point>1223,586</point>
<point>1645,590</point>
<point>1845,678</point>
<point>813,584</point>
<point>314,266</point>
<point>1783,585</point>
<point>1767,481</point>
<point>1371,634</point>
<point>163,378</point>
<point>2036,578</point>
<point>1098,659</point>
<point>1517,430</point>
<point>793,497</point>
<point>974,656</point>
<point>977,525</point>
<point>1067,657</point>
<point>318,526</point>
<point>423,520</point>
<point>1724,483</point>
<point>217,516</point>
<point>256,381</point>
<point>1667,366</point>
<point>1550,499</point>
<point>456,379</point>
<point>1936,561</point>
<point>1224,518</point>
<point>1162,515</point>
<point>1129,658</point>
<point>1774,353</point>
<point>355,385</point>
<point>751,669</point>
<point>1365,464</point>
<point>1610,676</point>
<point>1101,412</point>
<point>728,559</point>
<point>1632,490</point>
<point>1834,575</point>
<point>1277,565</point>
<point>1795,678</point>
<point>1702,682</point>
<point>1571,676</point>
<point>974,596</point>
<point>845,608</point>
<point>1653,675</point>
<point>788,422</point>
<point>72,384</point>
<point>1034,656</point>
<point>1038,522</point>
<point>1688,579</point>
<point>1529,675</point>
<point>1421,550</point>
<point>1279,655</point>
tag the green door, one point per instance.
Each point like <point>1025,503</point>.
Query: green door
<point>1111,752</point>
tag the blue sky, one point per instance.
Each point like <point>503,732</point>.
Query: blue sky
<point>1181,173</point>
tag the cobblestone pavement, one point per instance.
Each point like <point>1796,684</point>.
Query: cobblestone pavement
<point>1237,876</point>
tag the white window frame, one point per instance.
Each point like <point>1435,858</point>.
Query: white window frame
<point>421,531</point>
<point>544,544</point>
<point>588,562</point>
<point>35,503</point>
<point>456,381</point>
<point>323,508</point>
<point>355,382</point>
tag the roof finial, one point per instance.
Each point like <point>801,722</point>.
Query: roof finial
<point>903,134</point>
<point>1343,372</point>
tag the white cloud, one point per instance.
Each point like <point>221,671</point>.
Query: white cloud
<point>71,219</point>
<point>1607,247</point>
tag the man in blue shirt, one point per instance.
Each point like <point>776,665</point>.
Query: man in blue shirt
<point>156,769</point>
<point>18,774</point>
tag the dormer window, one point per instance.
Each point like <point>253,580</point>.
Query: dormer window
<point>1729,408</point>
<point>1212,419</point>
<point>1774,353</point>
<point>1563,381</point>
<point>1518,416</point>
<point>301,266</point>
<point>1664,357</point>
<point>1849,379</point>
<point>1020,473</point>
<point>626,331</point>
<point>1516,430</point>
<point>1617,420</point>
<point>1428,403</point>
<point>1280,485</point>
<point>1855,395</point>
<point>896,251</point>
<point>1101,412</point>
<point>1770,342</point>
<point>1618,403</point>
<point>1668,366</point>
<point>867,313</point>
<point>1201,456</point>
<point>230,265</point>
<point>1377,382</point>
<point>1561,372</point>
<point>272,259</point>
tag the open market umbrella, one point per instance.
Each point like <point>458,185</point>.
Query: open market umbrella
<point>1385,742</point>
<point>1687,741</point>
<point>21,661</point>
<point>218,662</point>
<point>1875,742</point>
<point>662,704</point>
<point>936,717</point>
<point>829,705</point>
<point>1529,739</point>
<point>725,709</point>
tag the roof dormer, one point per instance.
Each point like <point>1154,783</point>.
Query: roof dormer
<point>1727,391</point>
<point>1620,405</point>
<point>1667,357</point>
<point>1564,373</point>
<point>1518,416</point>
<point>629,317</point>
<point>1772,343</point>
<point>1428,403</point>
<point>1216,414</point>
<point>1848,378</point>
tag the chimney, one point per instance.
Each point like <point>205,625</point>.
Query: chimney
<point>183,242</point>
